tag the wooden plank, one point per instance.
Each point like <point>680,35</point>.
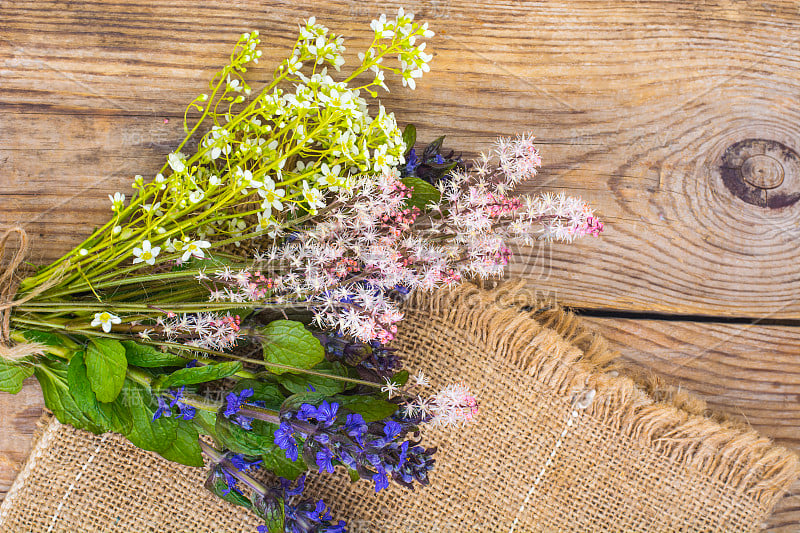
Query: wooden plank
<point>749,371</point>
<point>786,516</point>
<point>634,111</point>
<point>635,105</point>
<point>17,424</point>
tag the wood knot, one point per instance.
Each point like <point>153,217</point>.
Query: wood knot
<point>762,172</point>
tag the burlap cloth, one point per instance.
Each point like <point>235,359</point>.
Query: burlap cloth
<point>564,442</point>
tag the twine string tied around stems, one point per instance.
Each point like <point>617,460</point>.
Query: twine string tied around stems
<point>9,283</point>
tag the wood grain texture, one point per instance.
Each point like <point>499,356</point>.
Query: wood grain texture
<point>17,424</point>
<point>634,103</point>
<point>748,371</point>
<point>676,119</point>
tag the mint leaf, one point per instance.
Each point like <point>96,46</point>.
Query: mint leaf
<point>105,367</point>
<point>198,374</point>
<point>216,483</point>
<point>298,383</point>
<point>409,137</point>
<point>400,378</point>
<point>144,432</point>
<point>370,408</point>
<point>240,440</point>
<point>81,391</point>
<point>272,511</point>
<point>289,343</point>
<point>147,356</point>
<point>276,461</point>
<point>185,449</point>
<point>52,376</point>
<point>267,392</point>
<point>423,193</point>
<point>293,402</point>
<point>13,373</point>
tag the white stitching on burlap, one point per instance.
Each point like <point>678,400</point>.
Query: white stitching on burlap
<point>581,401</point>
<point>72,485</point>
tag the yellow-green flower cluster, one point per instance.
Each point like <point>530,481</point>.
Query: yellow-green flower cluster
<point>305,137</point>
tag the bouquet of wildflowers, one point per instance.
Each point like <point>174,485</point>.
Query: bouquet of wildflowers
<point>237,310</point>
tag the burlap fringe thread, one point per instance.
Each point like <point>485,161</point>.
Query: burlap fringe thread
<point>677,424</point>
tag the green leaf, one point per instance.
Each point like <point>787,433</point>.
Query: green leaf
<point>105,367</point>
<point>216,483</point>
<point>13,373</point>
<point>52,376</point>
<point>275,460</point>
<point>423,193</point>
<point>81,391</point>
<point>207,422</point>
<point>354,475</point>
<point>240,440</point>
<point>198,374</point>
<point>144,432</point>
<point>147,356</point>
<point>409,137</point>
<point>56,343</point>
<point>432,149</point>
<point>293,402</point>
<point>369,407</point>
<point>271,510</point>
<point>185,449</point>
<point>78,382</point>
<point>298,383</point>
<point>289,343</point>
<point>267,392</point>
<point>400,378</point>
<point>48,338</point>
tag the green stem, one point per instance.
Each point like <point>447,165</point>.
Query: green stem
<point>217,457</point>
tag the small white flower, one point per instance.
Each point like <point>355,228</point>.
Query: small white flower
<point>146,253</point>
<point>83,252</point>
<point>195,248</point>
<point>145,334</point>
<point>293,64</point>
<point>147,208</point>
<point>408,81</point>
<point>272,196</point>
<point>313,196</point>
<point>390,388</point>
<point>105,319</point>
<point>177,162</point>
<point>196,196</point>
<point>421,379</point>
<point>116,201</point>
<point>116,230</point>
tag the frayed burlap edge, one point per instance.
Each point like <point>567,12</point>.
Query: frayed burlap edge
<point>46,430</point>
<point>529,332</point>
<point>673,422</point>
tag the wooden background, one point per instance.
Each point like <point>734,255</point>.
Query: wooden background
<point>678,120</point>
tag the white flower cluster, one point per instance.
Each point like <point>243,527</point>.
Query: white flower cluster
<point>413,59</point>
<point>201,330</point>
<point>453,405</point>
<point>317,41</point>
<point>305,136</point>
<point>348,262</point>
